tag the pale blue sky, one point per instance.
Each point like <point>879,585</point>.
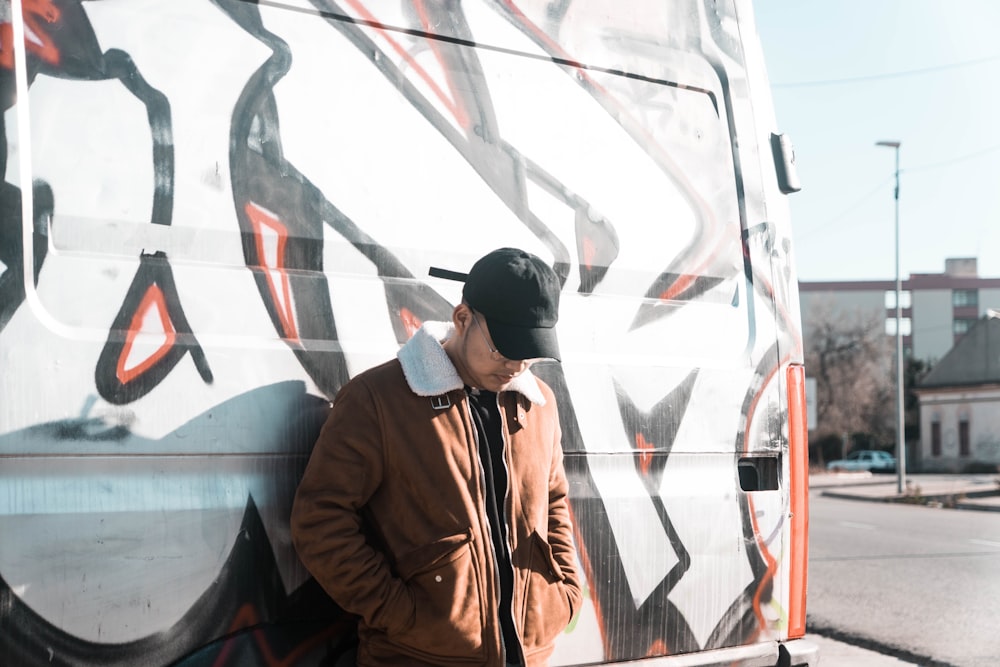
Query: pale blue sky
<point>849,73</point>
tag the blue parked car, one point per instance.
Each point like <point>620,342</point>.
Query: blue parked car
<point>864,459</point>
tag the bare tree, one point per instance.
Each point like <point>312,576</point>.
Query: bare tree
<point>850,356</point>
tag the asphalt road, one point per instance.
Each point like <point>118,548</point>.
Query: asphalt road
<point>919,583</point>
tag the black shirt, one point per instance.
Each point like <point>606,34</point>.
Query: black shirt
<point>486,416</point>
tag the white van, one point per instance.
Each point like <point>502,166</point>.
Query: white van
<point>215,212</point>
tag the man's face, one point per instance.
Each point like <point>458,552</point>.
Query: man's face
<point>478,361</point>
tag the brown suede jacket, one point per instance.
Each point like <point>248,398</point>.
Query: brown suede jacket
<point>390,515</point>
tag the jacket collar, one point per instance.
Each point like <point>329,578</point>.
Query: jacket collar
<point>429,370</point>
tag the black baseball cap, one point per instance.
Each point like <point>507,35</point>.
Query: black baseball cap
<point>518,294</point>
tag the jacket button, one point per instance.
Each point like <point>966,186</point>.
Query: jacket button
<point>437,578</point>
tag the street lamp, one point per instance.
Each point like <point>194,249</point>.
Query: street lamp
<point>900,432</point>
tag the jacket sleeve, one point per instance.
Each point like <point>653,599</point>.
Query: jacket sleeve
<point>561,527</point>
<point>344,471</point>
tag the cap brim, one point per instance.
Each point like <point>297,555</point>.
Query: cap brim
<point>518,343</point>
<point>447,274</point>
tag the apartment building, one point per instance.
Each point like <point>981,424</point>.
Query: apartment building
<point>937,308</point>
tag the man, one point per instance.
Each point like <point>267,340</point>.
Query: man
<point>434,505</point>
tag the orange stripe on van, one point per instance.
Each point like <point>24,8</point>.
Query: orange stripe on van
<point>798,458</point>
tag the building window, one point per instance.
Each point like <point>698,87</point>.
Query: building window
<point>965,297</point>
<point>905,325</point>
<point>935,438</point>
<point>905,299</point>
<point>964,448</point>
<point>961,324</point>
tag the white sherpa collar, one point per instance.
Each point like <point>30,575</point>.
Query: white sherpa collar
<point>429,371</point>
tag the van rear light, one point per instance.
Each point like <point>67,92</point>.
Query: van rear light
<point>798,458</point>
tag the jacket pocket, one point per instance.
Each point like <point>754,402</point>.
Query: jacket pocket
<point>445,581</point>
<point>546,603</point>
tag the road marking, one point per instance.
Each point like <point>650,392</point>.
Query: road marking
<point>862,526</point>
<point>985,543</point>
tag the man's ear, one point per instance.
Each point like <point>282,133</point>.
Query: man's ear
<point>461,317</point>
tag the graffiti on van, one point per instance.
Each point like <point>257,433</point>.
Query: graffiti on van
<point>233,206</point>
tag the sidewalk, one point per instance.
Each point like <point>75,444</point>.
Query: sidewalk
<point>967,492</point>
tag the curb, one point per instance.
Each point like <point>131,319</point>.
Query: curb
<point>946,500</point>
<point>982,507</point>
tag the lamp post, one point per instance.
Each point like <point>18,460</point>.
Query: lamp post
<point>900,427</point>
